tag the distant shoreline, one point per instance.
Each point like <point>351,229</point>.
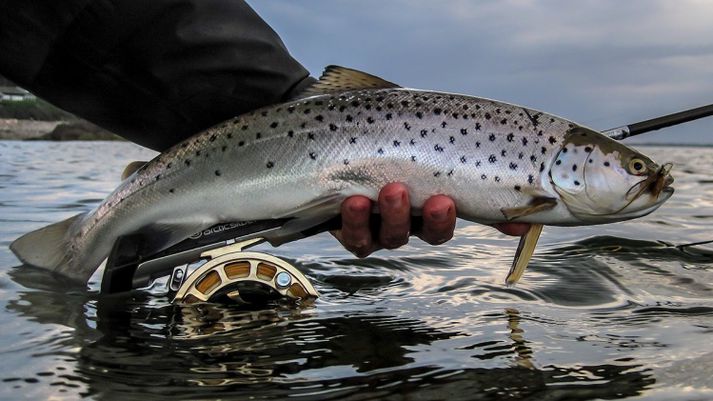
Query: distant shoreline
<point>30,130</point>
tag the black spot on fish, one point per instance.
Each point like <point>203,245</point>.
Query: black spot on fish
<point>342,108</point>
<point>463,159</point>
<point>438,148</point>
<point>591,161</point>
<point>564,150</point>
<point>307,111</point>
<point>543,150</point>
<point>312,155</point>
<point>520,155</point>
<point>510,137</point>
<point>497,110</point>
<point>576,182</point>
<point>332,127</point>
<point>217,173</point>
<point>503,153</point>
<point>404,103</point>
<point>419,114</point>
<point>378,108</point>
<point>524,141</point>
<point>513,166</point>
<point>533,118</point>
<point>367,106</point>
<point>270,164</point>
<point>497,179</point>
<point>492,159</point>
<point>169,165</point>
<point>552,140</point>
<point>379,98</point>
<point>230,136</point>
<point>452,140</point>
<point>224,148</point>
<point>413,158</point>
<point>424,133</point>
<point>380,151</point>
<point>412,141</point>
<point>542,167</point>
<point>319,118</point>
<point>606,164</point>
<point>310,135</point>
<point>465,107</point>
<point>355,103</point>
<point>477,126</point>
<point>172,190</point>
<point>241,143</point>
<point>212,138</point>
<point>330,107</point>
<point>487,116</point>
<point>437,111</point>
<point>188,162</point>
<point>491,137</point>
<point>574,167</point>
<point>346,162</point>
<point>158,177</point>
<point>443,124</point>
<point>291,133</point>
<point>530,179</point>
<point>258,135</point>
<point>352,140</point>
<point>198,152</point>
<point>396,143</point>
<point>477,163</point>
<point>587,149</point>
<point>291,109</point>
<point>517,188</point>
<point>450,173</point>
<point>533,158</point>
<point>388,116</point>
<point>274,124</point>
<point>389,105</point>
<point>483,176</point>
<point>504,121</point>
<point>463,131</point>
<point>437,174</point>
<point>407,126</point>
<point>349,118</point>
<point>558,162</point>
<point>455,115</point>
<point>477,145</point>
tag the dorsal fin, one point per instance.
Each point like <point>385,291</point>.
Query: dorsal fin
<point>336,79</point>
<point>131,168</point>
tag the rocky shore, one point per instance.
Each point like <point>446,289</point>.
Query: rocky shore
<point>79,130</point>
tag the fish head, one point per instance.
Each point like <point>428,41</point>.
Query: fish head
<point>601,180</point>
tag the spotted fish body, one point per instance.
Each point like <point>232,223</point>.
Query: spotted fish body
<point>302,158</point>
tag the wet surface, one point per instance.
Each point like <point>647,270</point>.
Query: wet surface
<point>623,310</point>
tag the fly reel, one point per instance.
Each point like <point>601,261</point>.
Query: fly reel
<point>242,277</point>
<point>210,266</point>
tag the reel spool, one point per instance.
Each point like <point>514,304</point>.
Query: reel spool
<point>242,277</point>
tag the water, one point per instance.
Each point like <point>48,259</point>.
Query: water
<point>622,310</point>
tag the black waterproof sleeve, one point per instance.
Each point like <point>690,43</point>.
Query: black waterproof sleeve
<point>153,71</point>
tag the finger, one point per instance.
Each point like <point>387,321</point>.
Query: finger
<point>355,234</point>
<point>515,229</point>
<point>439,219</point>
<point>395,216</point>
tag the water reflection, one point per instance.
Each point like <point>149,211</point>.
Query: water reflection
<point>129,345</point>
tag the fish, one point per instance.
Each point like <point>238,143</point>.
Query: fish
<point>350,134</point>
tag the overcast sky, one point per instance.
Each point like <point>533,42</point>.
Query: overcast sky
<point>600,63</point>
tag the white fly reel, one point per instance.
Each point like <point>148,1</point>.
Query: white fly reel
<point>229,271</point>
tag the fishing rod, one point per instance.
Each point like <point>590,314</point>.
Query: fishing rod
<point>657,123</point>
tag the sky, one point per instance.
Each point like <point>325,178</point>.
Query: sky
<point>600,63</point>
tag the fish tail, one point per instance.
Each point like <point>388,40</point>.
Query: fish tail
<point>48,247</point>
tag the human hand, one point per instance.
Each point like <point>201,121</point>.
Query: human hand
<point>439,220</point>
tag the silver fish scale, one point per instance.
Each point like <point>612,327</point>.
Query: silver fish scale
<point>284,160</point>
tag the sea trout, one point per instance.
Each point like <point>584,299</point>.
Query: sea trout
<point>351,134</point>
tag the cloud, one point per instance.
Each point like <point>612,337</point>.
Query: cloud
<point>602,63</point>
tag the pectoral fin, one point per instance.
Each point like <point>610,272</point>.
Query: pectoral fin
<point>536,205</point>
<point>525,248</point>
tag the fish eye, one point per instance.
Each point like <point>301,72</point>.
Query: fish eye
<point>637,166</point>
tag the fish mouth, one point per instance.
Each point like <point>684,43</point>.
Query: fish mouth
<point>654,184</point>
